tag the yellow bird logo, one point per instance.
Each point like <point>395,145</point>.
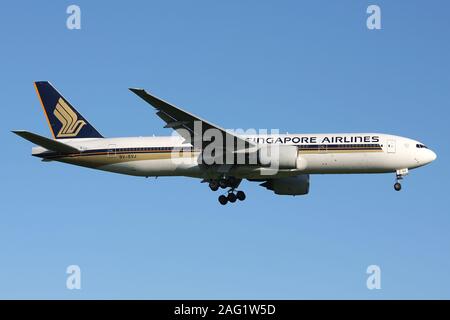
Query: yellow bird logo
<point>71,126</point>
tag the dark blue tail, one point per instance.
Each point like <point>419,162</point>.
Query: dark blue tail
<point>63,119</point>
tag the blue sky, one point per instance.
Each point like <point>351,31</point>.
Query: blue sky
<point>298,66</point>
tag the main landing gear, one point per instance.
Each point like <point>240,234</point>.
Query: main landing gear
<point>232,195</point>
<point>214,185</point>
<point>400,174</point>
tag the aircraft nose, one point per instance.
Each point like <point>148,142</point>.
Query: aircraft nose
<point>433,156</point>
<point>430,156</point>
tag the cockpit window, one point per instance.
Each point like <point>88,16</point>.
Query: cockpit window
<point>421,146</point>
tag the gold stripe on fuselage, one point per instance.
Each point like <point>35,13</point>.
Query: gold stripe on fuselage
<point>104,158</point>
<point>99,159</point>
<point>339,151</point>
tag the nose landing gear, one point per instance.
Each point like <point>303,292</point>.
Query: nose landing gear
<point>400,174</point>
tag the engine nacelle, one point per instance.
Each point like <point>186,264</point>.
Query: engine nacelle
<point>281,157</point>
<point>293,186</point>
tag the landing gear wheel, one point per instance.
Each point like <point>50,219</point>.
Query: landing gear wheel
<point>232,197</point>
<point>223,183</point>
<point>400,174</point>
<point>240,195</point>
<point>223,200</point>
<point>214,185</point>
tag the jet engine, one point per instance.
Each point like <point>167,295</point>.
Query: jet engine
<point>281,157</point>
<point>298,185</point>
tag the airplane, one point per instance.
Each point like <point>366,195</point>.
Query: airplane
<point>281,163</point>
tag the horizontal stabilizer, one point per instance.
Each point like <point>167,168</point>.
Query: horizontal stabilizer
<point>47,143</point>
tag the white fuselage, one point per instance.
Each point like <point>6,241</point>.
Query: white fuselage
<point>321,154</point>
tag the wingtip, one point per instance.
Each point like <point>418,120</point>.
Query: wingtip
<point>19,133</point>
<point>136,89</point>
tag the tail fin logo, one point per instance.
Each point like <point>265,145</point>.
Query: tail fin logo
<point>71,126</point>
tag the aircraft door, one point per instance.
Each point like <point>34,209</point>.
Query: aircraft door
<point>390,146</point>
<point>111,151</point>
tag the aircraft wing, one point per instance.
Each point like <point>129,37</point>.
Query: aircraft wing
<point>187,124</point>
